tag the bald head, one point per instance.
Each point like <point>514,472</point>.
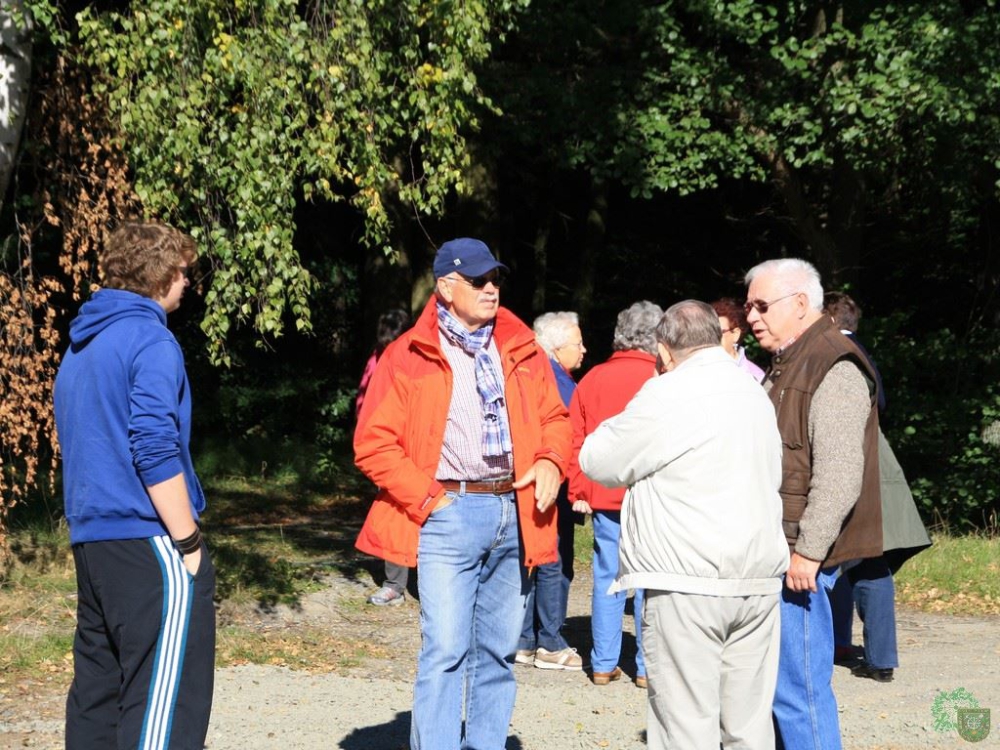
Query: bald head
<point>687,327</point>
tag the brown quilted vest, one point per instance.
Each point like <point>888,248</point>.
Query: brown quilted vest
<point>794,376</point>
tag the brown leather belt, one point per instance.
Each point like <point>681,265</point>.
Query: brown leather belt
<point>490,486</point>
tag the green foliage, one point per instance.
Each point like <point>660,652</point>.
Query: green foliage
<point>679,96</point>
<point>963,490</point>
<point>732,84</point>
<point>234,111</point>
<point>334,430</point>
<point>47,19</point>
<point>283,419</point>
<point>235,114</point>
<point>277,425</point>
<point>942,418</point>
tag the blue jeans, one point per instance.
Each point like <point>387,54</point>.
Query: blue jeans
<point>868,585</point>
<point>472,589</point>
<point>805,708</point>
<point>842,606</point>
<point>548,595</point>
<point>607,609</point>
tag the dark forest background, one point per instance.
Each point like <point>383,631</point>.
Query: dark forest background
<point>607,150</point>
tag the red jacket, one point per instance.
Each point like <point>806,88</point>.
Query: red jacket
<point>400,432</point>
<point>602,393</point>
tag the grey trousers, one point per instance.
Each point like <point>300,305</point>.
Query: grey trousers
<point>396,577</point>
<point>712,665</point>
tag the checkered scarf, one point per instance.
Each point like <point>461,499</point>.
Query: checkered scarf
<point>496,429</point>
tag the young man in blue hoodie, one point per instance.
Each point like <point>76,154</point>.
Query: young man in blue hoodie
<point>145,637</point>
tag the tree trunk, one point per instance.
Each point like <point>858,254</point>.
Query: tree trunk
<point>810,227</point>
<point>592,246</point>
<point>541,246</point>
<point>805,223</point>
<point>15,80</point>
<point>847,225</point>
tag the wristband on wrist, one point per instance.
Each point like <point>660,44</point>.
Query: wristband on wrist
<point>189,544</point>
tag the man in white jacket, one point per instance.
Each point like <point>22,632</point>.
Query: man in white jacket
<point>699,449</point>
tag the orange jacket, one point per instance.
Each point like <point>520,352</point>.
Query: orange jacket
<point>400,431</point>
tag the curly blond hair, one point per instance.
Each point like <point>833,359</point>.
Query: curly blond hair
<point>144,256</point>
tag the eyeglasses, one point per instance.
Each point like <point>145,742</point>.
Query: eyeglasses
<point>761,306</point>
<point>496,277</point>
<point>577,344</point>
<point>188,271</point>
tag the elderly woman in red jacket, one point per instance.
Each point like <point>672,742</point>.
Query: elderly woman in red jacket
<point>602,393</point>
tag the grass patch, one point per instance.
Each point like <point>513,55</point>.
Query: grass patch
<point>583,543</point>
<point>308,649</point>
<point>957,575</point>
<point>37,608</point>
<point>37,655</point>
<point>38,591</point>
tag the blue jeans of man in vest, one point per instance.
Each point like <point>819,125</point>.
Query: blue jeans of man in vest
<point>805,708</point>
<point>868,585</point>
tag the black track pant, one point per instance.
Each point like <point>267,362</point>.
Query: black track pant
<point>144,651</point>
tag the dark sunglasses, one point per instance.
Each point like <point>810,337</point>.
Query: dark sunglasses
<point>761,306</point>
<point>497,277</point>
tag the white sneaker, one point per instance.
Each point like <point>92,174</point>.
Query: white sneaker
<point>386,596</point>
<point>566,658</point>
<point>525,657</point>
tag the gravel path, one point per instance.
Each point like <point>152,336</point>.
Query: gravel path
<point>367,707</point>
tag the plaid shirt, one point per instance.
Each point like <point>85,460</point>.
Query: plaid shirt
<point>462,453</point>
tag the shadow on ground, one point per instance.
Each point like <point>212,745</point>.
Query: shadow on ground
<point>577,632</point>
<point>272,541</point>
<point>395,735</point>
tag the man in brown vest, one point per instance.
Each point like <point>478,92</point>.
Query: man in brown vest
<point>824,392</point>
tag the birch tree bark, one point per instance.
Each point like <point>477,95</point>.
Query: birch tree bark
<point>15,80</point>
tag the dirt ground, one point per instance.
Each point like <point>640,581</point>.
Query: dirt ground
<point>366,707</point>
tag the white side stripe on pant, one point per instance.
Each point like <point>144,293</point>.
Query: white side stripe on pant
<point>169,646</point>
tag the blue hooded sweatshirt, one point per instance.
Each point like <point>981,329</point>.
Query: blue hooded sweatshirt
<point>123,412</point>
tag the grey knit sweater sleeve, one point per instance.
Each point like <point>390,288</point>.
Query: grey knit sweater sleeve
<point>837,418</point>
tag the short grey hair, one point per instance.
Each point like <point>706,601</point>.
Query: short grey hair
<point>794,275</point>
<point>689,325</point>
<point>635,327</point>
<point>553,330</point>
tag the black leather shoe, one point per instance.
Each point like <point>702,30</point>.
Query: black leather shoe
<point>872,673</point>
<point>848,656</point>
